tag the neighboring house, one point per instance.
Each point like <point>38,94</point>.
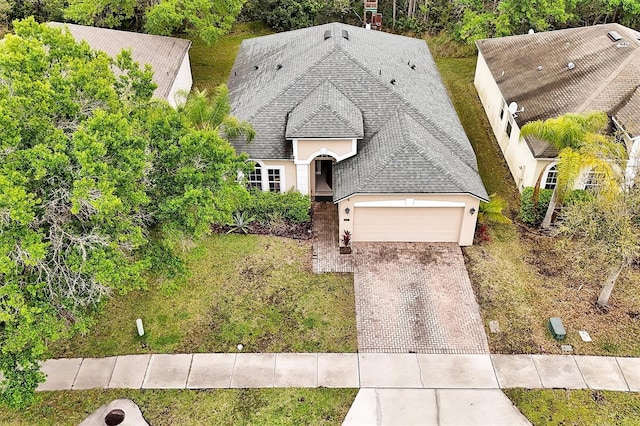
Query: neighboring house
<point>168,56</point>
<point>361,118</point>
<point>552,73</point>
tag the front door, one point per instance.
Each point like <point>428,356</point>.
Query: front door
<point>324,178</point>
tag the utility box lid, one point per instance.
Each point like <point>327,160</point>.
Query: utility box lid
<point>557,328</point>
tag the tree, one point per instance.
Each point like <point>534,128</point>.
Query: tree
<point>610,227</point>
<point>582,145</point>
<point>212,112</point>
<point>205,18</point>
<point>103,13</point>
<point>89,166</point>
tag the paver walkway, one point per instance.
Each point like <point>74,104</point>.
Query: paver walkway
<point>343,370</point>
<point>410,297</point>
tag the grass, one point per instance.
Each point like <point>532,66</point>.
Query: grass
<point>255,290</point>
<point>190,407</point>
<point>577,407</point>
<point>211,64</point>
<point>522,279</point>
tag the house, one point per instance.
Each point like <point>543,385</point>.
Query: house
<point>168,56</point>
<point>361,118</point>
<point>544,75</point>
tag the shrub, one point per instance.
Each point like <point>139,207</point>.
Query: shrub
<point>534,218</point>
<point>527,213</point>
<point>290,205</point>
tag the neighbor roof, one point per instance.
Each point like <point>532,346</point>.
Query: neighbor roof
<point>164,54</point>
<point>533,71</point>
<point>296,83</point>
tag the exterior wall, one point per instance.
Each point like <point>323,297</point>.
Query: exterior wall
<point>467,201</point>
<point>305,150</point>
<point>524,167</point>
<point>182,82</point>
<point>287,173</point>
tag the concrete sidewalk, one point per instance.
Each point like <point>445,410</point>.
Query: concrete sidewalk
<point>343,370</point>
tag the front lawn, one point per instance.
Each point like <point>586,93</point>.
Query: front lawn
<point>576,407</point>
<point>255,290</point>
<point>190,407</point>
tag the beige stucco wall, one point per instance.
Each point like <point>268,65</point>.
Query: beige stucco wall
<point>524,167</point>
<point>183,81</point>
<point>290,180</point>
<point>305,150</point>
<point>468,224</point>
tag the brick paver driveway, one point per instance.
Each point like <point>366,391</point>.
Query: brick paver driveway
<point>410,297</point>
<point>415,297</point>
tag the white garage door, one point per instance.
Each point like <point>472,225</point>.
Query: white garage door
<point>410,224</point>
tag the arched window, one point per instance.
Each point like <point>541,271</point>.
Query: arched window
<point>552,177</point>
<point>255,177</point>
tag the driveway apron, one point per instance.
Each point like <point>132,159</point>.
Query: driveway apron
<point>415,297</point>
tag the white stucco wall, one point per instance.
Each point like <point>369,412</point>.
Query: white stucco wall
<point>183,81</point>
<point>524,167</point>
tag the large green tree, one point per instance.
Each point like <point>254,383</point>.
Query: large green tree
<point>89,165</point>
<point>582,146</point>
<point>206,19</point>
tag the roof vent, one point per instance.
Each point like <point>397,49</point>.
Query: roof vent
<point>345,34</point>
<point>571,65</point>
<point>279,66</point>
<point>393,81</point>
<point>614,36</point>
<point>327,34</point>
<point>413,66</point>
<point>255,67</point>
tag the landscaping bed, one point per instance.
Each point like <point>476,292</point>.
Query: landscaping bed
<point>258,291</point>
<point>191,407</point>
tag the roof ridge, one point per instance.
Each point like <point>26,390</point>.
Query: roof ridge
<point>424,153</point>
<point>596,93</point>
<point>287,87</point>
<point>382,164</point>
<point>325,105</point>
<point>404,102</point>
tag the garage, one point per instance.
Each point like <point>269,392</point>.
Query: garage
<point>407,224</point>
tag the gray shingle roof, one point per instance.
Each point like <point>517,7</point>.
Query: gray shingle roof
<point>325,112</point>
<point>605,76</point>
<point>164,54</point>
<point>276,78</point>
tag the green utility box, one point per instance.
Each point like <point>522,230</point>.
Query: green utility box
<point>557,328</point>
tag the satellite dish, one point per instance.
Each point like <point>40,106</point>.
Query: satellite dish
<point>513,107</point>
<point>531,31</point>
<point>571,65</point>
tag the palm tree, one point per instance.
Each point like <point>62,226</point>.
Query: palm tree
<point>207,111</point>
<point>581,144</point>
<point>492,211</point>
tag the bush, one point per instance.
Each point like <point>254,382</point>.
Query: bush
<point>528,216</point>
<point>527,213</point>
<point>290,205</point>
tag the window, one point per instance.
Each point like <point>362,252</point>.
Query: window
<point>274,179</point>
<point>509,128</point>
<point>255,178</point>
<point>552,177</point>
<point>592,180</point>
